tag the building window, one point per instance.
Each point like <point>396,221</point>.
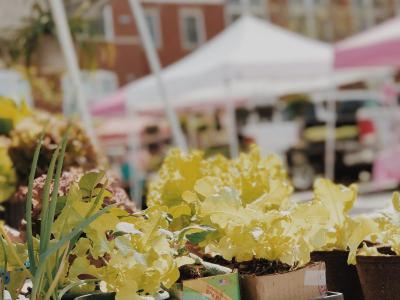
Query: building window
<point>192,28</point>
<point>153,22</point>
<point>251,2</point>
<point>108,18</point>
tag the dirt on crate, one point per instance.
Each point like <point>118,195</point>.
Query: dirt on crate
<point>256,267</point>
<point>260,267</point>
<point>219,260</point>
<point>188,272</point>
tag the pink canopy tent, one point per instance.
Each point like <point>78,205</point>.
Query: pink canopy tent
<point>112,105</point>
<point>379,46</point>
<point>117,130</point>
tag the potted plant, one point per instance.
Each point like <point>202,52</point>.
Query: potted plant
<point>19,142</point>
<point>256,228</point>
<point>42,259</point>
<point>378,266</point>
<point>85,247</point>
<point>35,43</point>
<point>34,50</point>
<point>199,278</point>
<point>343,235</point>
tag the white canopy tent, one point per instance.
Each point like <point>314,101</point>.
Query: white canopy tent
<point>266,90</point>
<point>250,48</point>
<point>251,57</point>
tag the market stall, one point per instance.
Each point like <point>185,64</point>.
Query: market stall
<point>249,49</point>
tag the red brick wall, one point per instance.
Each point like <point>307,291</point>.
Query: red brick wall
<point>130,61</point>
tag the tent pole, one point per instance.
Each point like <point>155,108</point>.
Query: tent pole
<point>67,46</point>
<point>155,67</point>
<point>330,138</point>
<point>231,118</point>
<point>136,174</point>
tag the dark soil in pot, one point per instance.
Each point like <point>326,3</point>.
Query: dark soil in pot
<point>260,267</point>
<point>340,277</point>
<point>13,213</point>
<point>379,276</point>
<point>257,266</point>
<point>188,272</point>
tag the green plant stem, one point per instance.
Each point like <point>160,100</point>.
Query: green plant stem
<point>28,208</point>
<point>45,200</point>
<point>70,286</point>
<point>56,279</point>
<point>2,282</point>
<point>54,195</point>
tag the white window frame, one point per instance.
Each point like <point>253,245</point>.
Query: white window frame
<point>155,15</point>
<point>108,19</point>
<point>198,14</point>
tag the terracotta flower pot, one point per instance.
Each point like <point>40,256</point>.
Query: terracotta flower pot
<point>379,276</point>
<point>340,277</point>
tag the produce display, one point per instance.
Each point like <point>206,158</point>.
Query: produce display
<point>211,223</point>
<point>20,128</point>
<point>246,204</point>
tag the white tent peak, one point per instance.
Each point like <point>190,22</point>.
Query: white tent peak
<point>249,48</point>
<point>253,41</point>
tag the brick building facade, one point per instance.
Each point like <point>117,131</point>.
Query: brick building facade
<point>180,26</point>
<point>177,27</point>
<point>327,20</point>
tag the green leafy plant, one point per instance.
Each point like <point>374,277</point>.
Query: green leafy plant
<point>26,39</point>
<point>8,176</point>
<point>84,245</point>
<point>246,202</point>
<point>388,233</point>
<point>184,177</point>
<point>47,254</point>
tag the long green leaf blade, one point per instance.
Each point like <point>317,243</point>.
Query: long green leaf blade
<point>54,195</point>
<point>72,285</point>
<point>2,283</point>
<point>28,208</point>
<point>45,199</point>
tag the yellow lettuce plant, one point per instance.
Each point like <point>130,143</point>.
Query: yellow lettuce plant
<point>182,177</point>
<point>11,114</point>
<point>332,226</point>
<point>85,243</point>
<point>8,177</point>
<point>388,222</point>
<point>127,254</point>
<point>247,202</point>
